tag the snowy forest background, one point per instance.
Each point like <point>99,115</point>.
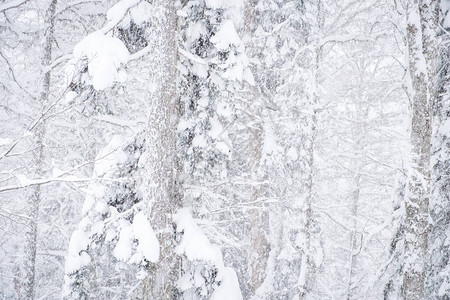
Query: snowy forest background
<point>224,149</point>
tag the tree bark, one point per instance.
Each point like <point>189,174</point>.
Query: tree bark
<point>29,281</point>
<point>161,190</point>
<point>438,282</point>
<point>310,226</point>
<point>259,249</point>
<point>417,199</point>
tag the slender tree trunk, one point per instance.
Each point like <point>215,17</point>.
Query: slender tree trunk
<point>360,115</point>
<point>309,268</point>
<point>29,281</point>
<point>354,233</point>
<point>161,190</point>
<point>259,249</point>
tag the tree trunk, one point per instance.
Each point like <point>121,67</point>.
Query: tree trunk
<point>29,281</point>
<point>310,226</point>
<point>417,198</point>
<point>161,191</point>
<point>438,281</point>
<point>259,245</point>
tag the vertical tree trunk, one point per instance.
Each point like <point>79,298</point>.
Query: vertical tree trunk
<point>361,114</point>
<point>417,198</point>
<point>308,268</point>
<point>354,233</point>
<point>438,281</point>
<point>259,245</point>
<point>29,281</point>
<point>161,190</point>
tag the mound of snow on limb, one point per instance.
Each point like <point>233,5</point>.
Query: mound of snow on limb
<point>229,286</point>
<point>148,243</point>
<point>140,230</point>
<point>196,246</point>
<point>77,256</point>
<point>194,243</point>
<point>105,56</point>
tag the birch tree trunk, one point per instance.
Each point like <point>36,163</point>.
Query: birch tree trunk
<point>416,202</point>
<point>161,188</point>
<point>31,240</point>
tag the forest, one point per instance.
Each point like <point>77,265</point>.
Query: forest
<point>225,149</point>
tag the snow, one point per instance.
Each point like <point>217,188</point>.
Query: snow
<point>233,7</point>
<point>123,248</point>
<point>105,56</point>
<point>110,156</point>
<point>77,257</point>
<point>229,286</point>
<point>94,191</point>
<point>70,96</point>
<point>141,13</point>
<point>5,142</point>
<point>292,154</point>
<point>199,141</point>
<point>23,180</point>
<point>236,65</point>
<point>182,13</point>
<point>197,247</point>
<point>248,76</point>
<point>119,10</point>
<point>271,151</point>
<point>234,73</point>
<point>137,10</point>
<point>226,36</point>
<point>148,244</point>
<point>194,243</point>
<point>216,128</point>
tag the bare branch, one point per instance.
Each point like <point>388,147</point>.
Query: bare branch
<point>12,4</point>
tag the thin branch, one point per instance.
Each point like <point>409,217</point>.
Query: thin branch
<point>68,179</point>
<point>11,70</point>
<point>12,4</point>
